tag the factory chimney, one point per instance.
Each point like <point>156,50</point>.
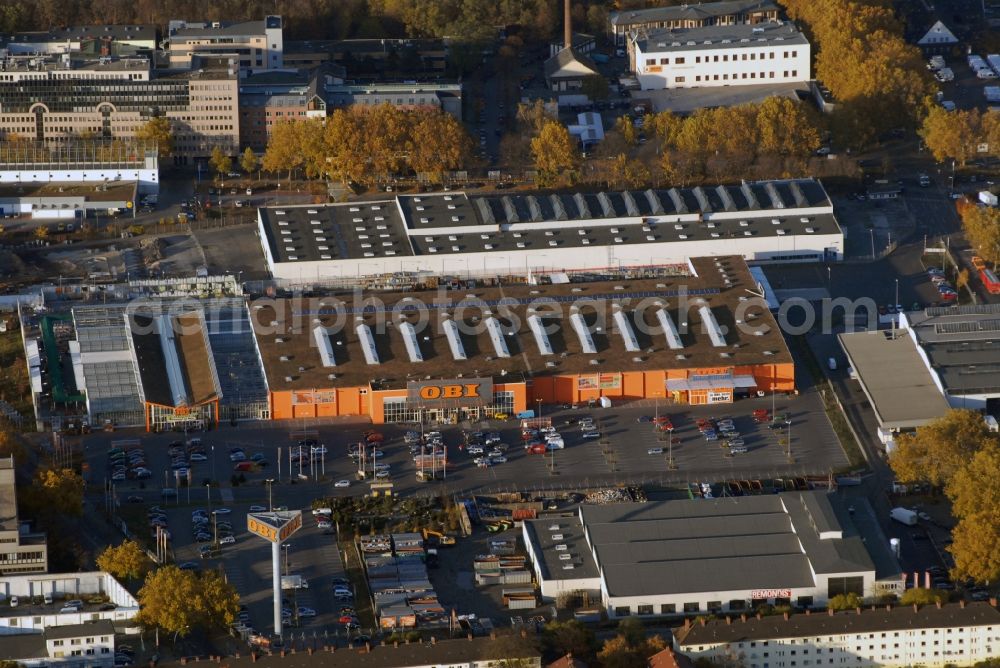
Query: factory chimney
<point>567,25</point>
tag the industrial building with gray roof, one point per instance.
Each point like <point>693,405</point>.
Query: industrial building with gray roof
<point>710,555</point>
<point>772,221</point>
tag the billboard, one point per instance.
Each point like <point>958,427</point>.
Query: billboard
<point>450,392</point>
<point>276,526</point>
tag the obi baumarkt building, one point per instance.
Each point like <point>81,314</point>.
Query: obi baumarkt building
<point>694,338</point>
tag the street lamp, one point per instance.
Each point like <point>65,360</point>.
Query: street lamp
<point>671,464</point>
<point>269,482</point>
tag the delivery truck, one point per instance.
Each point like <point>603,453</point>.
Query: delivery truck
<point>904,516</point>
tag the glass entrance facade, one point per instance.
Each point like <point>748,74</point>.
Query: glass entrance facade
<point>398,410</point>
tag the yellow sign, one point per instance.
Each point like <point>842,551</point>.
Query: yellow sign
<point>271,533</point>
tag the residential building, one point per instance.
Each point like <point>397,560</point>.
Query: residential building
<point>668,658</point>
<point>960,634</point>
<point>692,557</point>
<point>258,45</point>
<point>741,54</point>
<point>21,551</point>
<point>86,645</point>
<point>113,98</point>
<point>492,652</point>
<point>100,597</point>
<point>692,15</point>
<point>939,39</point>
<point>768,221</point>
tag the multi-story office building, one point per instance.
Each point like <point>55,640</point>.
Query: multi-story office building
<point>258,45</point>
<point>58,99</point>
<point>727,12</point>
<point>20,550</point>
<point>744,54</point>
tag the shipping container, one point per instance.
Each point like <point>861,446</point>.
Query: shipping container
<point>522,603</point>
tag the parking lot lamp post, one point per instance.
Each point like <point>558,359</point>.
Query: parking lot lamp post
<point>539,402</point>
<point>269,482</point>
<point>671,464</point>
<point>788,439</point>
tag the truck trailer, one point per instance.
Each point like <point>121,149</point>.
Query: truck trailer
<point>904,516</point>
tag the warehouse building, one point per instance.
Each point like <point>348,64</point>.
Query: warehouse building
<point>94,589</point>
<point>697,338</point>
<point>938,358</point>
<point>689,557</point>
<point>455,234</point>
<point>164,364</point>
<point>746,54</point>
<point>99,162</point>
<point>962,634</point>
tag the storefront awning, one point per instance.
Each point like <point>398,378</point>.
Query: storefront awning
<point>714,382</point>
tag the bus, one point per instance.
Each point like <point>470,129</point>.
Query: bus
<point>990,281</point>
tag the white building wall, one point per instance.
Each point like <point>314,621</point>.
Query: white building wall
<point>65,586</point>
<point>148,178</point>
<point>930,647</point>
<point>759,249</point>
<point>737,65</point>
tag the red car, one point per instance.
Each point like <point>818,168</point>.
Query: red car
<point>537,449</point>
<point>347,619</point>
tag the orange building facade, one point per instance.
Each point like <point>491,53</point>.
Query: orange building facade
<point>674,386</point>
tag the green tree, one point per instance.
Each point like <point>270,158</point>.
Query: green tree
<point>249,161</point>
<point>158,130</point>
<point>935,452</point>
<point>982,230</point>
<point>595,87</point>
<point>220,162</point>
<point>845,602</point>
<point>555,153</point>
<point>570,637</point>
<point>922,596</point>
<point>179,601</point>
<point>126,561</point>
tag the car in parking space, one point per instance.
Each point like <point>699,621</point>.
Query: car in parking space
<point>188,566</point>
<point>475,450</point>
<point>591,434</point>
<point>135,499</point>
<point>654,451</point>
<point>227,540</point>
<point>710,436</point>
<point>238,456</point>
<point>306,612</point>
<point>221,511</point>
<point>342,483</point>
<point>257,509</point>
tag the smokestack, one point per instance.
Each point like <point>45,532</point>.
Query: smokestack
<point>567,24</point>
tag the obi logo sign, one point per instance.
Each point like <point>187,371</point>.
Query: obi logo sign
<point>470,390</point>
<point>268,530</point>
<point>460,391</point>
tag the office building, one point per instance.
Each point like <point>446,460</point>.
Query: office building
<point>21,550</point>
<point>691,557</point>
<point>258,45</point>
<point>742,54</point>
<point>96,596</point>
<point>58,100</point>
<point>94,41</point>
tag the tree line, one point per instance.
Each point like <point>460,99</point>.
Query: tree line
<point>958,454</point>
<point>878,80</point>
<point>369,145</point>
<point>959,135</point>
<point>311,19</point>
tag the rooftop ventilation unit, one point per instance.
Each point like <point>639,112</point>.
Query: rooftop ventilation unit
<point>561,547</point>
<point>367,344</point>
<point>496,336</point>
<point>322,339</point>
<point>410,339</point>
<point>454,340</point>
<point>625,329</point>
<point>541,338</point>
<point>582,333</point>
<point>712,326</point>
<point>669,329</point>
